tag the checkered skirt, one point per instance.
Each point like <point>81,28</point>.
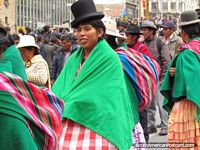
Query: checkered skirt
<point>77,137</point>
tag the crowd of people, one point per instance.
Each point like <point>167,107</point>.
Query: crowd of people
<point>99,86</point>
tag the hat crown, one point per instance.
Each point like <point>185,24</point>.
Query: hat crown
<point>134,29</point>
<point>111,27</point>
<point>27,40</point>
<point>109,23</point>
<point>83,7</point>
<point>148,24</point>
<point>84,10</point>
<point>169,24</point>
<point>189,16</point>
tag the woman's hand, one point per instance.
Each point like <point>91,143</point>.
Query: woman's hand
<point>172,71</point>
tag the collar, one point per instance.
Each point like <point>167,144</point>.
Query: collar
<point>150,39</point>
<point>34,59</point>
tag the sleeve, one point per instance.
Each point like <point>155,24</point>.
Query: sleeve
<point>165,60</point>
<point>54,68</point>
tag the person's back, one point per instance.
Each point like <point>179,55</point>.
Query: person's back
<point>49,53</point>
<point>181,86</point>
<point>11,57</point>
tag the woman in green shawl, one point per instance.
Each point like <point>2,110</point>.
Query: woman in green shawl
<point>97,110</point>
<point>10,57</point>
<point>181,86</point>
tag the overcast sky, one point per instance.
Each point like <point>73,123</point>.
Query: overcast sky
<point>108,1</point>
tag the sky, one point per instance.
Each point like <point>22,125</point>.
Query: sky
<point>108,1</point>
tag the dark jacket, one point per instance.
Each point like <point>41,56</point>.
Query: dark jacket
<point>58,63</point>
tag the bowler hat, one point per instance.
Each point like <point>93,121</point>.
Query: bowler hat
<point>168,24</point>
<point>84,10</point>
<point>3,35</point>
<point>133,29</point>
<point>148,24</point>
<point>189,17</point>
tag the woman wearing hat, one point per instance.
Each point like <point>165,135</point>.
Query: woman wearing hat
<point>36,67</point>
<point>24,123</point>
<point>181,88</point>
<point>10,58</point>
<point>97,113</point>
<point>138,70</point>
<point>133,34</point>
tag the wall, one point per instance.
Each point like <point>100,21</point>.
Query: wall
<point>9,13</point>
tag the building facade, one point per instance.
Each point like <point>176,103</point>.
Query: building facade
<point>127,9</point>
<point>37,13</point>
<point>7,17</point>
<point>170,7</point>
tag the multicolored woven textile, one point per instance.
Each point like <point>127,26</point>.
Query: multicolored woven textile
<point>193,45</point>
<point>143,72</point>
<point>43,107</point>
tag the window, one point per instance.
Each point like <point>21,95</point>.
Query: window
<point>6,20</point>
<point>165,6</point>
<point>6,3</point>
<point>154,6</point>
<point>173,5</point>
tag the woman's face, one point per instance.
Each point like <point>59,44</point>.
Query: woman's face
<point>26,54</point>
<point>130,39</point>
<point>88,36</point>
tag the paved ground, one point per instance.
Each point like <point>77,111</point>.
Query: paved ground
<point>155,138</point>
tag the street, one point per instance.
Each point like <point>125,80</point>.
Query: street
<point>155,138</point>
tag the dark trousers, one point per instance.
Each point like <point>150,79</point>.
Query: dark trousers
<point>144,123</point>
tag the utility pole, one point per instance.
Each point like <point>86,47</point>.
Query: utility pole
<point>147,10</point>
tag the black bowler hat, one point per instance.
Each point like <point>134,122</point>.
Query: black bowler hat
<point>84,10</point>
<point>3,35</point>
<point>133,29</point>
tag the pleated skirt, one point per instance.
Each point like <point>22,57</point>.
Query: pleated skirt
<point>183,128</point>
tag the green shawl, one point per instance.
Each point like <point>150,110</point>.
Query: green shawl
<point>12,118</point>
<point>11,61</point>
<point>97,98</point>
<point>185,83</point>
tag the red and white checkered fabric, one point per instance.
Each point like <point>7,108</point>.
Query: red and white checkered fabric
<point>77,137</point>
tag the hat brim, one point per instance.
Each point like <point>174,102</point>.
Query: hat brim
<point>116,34</point>
<point>129,32</point>
<point>25,45</point>
<point>87,17</point>
<point>189,22</point>
<point>163,26</point>
<point>148,27</point>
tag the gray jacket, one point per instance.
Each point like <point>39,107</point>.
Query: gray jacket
<point>173,44</point>
<point>160,52</point>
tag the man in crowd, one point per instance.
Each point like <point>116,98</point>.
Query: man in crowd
<point>161,54</point>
